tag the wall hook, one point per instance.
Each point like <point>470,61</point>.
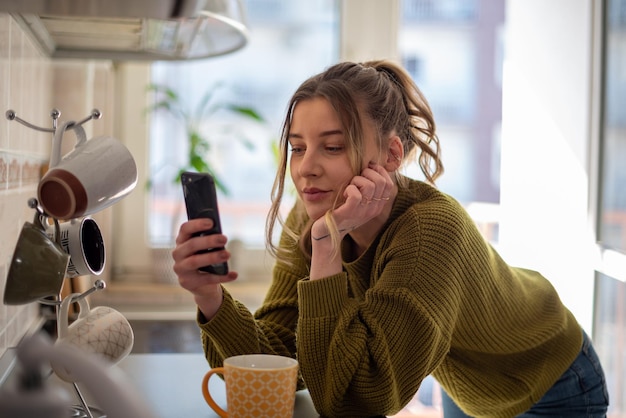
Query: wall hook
<point>54,114</point>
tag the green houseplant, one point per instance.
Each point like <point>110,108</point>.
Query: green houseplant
<point>199,145</point>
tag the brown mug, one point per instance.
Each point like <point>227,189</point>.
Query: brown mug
<point>93,176</point>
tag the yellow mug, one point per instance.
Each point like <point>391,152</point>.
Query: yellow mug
<point>257,385</point>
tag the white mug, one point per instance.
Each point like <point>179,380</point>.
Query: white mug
<point>93,176</point>
<point>101,331</point>
<point>82,240</point>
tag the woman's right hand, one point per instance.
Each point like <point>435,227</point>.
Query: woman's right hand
<point>205,287</point>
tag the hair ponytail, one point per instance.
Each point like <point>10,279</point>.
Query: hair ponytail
<point>416,128</point>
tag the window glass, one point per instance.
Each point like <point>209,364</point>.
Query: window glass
<point>610,338</point>
<point>289,41</point>
<point>453,50</point>
<point>610,293</point>
<point>612,231</point>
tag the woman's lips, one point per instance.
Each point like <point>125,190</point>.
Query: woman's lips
<point>314,195</point>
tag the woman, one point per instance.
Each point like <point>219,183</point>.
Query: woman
<point>381,280</point>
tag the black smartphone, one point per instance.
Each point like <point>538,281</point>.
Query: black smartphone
<point>201,202</point>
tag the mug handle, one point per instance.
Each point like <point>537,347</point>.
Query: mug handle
<point>62,324</point>
<point>81,138</point>
<point>207,396</point>
<point>57,228</point>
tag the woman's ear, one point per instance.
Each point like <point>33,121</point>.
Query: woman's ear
<point>395,154</point>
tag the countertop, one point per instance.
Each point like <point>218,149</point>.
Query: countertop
<point>171,384</point>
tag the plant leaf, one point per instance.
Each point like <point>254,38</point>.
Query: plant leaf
<point>204,102</point>
<point>246,111</point>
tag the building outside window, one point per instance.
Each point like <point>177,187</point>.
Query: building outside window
<point>453,50</point>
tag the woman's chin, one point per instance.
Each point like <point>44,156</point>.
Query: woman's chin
<point>315,211</point>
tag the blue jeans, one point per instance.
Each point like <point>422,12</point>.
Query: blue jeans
<point>580,392</point>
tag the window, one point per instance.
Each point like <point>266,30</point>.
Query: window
<point>610,295</point>
<point>289,41</point>
<point>610,338</point>
<point>612,226</point>
<point>452,49</point>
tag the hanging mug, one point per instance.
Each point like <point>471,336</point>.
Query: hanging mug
<point>82,240</point>
<point>38,265</point>
<point>93,176</point>
<point>101,331</point>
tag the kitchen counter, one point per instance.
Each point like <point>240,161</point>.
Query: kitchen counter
<point>166,384</point>
<point>171,384</point>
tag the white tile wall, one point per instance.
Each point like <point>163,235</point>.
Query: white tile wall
<point>32,85</point>
<point>25,88</point>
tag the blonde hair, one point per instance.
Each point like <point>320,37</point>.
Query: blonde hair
<point>379,91</point>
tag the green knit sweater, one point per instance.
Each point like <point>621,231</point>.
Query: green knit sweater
<point>430,296</point>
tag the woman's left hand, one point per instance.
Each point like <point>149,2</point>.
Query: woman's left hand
<point>365,199</point>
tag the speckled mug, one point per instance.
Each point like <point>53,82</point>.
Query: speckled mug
<point>101,331</point>
<point>257,386</point>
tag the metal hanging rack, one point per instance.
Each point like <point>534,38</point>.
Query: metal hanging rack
<point>55,114</point>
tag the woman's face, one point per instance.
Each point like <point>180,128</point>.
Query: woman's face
<point>319,164</point>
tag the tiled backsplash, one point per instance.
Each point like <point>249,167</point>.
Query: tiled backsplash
<point>25,87</point>
<point>32,85</point>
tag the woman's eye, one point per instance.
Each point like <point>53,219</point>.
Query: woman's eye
<point>297,150</point>
<point>335,149</point>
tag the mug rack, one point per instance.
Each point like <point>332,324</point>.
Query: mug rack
<point>99,284</point>
<point>84,409</point>
<point>55,114</point>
